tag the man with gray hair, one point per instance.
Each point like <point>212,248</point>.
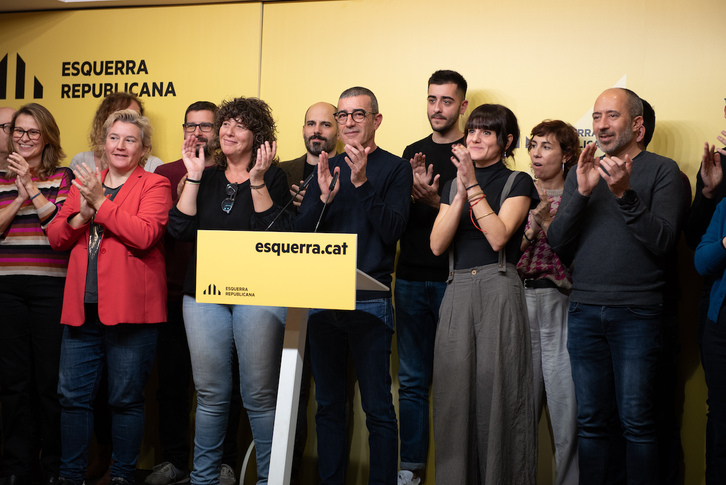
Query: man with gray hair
<point>370,199</point>
<point>620,216</point>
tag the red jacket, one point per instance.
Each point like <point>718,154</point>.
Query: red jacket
<point>131,273</point>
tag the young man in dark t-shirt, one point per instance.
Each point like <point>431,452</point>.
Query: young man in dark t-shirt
<point>421,276</point>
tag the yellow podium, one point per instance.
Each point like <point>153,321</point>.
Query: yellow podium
<point>285,269</point>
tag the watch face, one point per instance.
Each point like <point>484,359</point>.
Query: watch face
<point>628,197</point>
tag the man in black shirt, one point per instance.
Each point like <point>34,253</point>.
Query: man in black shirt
<point>320,134</point>
<point>421,276</point>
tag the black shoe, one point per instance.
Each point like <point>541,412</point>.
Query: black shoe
<point>52,481</point>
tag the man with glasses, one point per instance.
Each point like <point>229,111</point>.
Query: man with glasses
<point>370,199</point>
<point>173,364</point>
<point>6,116</point>
<point>421,276</point>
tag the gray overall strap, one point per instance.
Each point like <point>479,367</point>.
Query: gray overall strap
<point>502,255</point>
<point>505,194</point>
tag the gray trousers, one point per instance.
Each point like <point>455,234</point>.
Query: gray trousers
<point>485,428</point>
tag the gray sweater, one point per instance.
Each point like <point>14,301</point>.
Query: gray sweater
<point>619,251</point>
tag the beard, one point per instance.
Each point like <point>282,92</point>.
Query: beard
<point>449,123</point>
<point>617,143</point>
<point>315,145</point>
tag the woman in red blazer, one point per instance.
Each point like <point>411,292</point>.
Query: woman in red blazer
<point>113,224</point>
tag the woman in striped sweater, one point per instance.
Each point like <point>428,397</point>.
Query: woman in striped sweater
<point>32,276</point>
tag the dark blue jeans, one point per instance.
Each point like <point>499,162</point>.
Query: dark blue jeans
<point>127,350</point>
<point>366,333</point>
<point>417,313</point>
<point>614,352</point>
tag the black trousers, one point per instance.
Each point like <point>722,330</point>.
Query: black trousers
<point>30,340</point>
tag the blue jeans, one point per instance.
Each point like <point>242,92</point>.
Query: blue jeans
<point>213,331</point>
<point>366,333</point>
<point>417,313</point>
<point>127,351</point>
<point>614,356</point>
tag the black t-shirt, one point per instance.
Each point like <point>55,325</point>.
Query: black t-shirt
<point>416,262</point>
<point>242,216</point>
<point>471,247</point>
<point>91,293</point>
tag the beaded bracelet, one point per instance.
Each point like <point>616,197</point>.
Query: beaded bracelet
<point>256,187</point>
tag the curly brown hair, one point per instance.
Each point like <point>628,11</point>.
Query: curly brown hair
<point>566,136</point>
<point>111,103</point>
<point>255,115</point>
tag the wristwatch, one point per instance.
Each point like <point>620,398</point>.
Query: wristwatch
<point>629,198</point>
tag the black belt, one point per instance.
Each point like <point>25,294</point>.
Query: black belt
<point>541,283</point>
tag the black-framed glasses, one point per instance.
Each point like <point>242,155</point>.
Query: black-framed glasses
<point>357,114</point>
<point>203,127</point>
<point>32,134</point>
<point>228,203</point>
<point>6,127</point>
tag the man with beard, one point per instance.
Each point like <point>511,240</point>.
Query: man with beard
<point>6,116</point>
<point>421,276</point>
<point>320,135</point>
<point>174,365</point>
<point>619,217</point>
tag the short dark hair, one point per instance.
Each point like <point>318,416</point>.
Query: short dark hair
<point>446,76</point>
<point>201,106</point>
<point>255,115</point>
<point>648,122</point>
<point>566,136</point>
<point>635,104</point>
<point>498,119</point>
<point>361,91</point>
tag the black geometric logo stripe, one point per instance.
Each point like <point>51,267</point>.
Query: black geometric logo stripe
<point>37,89</point>
<point>20,79</point>
<point>4,77</point>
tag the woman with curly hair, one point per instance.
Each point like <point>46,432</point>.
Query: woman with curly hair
<point>243,191</point>
<point>111,103</point>
<point>32,276</point>
<point>553,149</point>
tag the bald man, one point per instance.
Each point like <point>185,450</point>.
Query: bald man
<point>6,116</point>
<point>619,217</point>
<point>320,134</point>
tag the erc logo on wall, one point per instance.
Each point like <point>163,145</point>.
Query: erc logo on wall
<point>19,80</point>
<point>88,71</point>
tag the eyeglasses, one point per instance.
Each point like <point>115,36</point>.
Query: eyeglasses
<point>203,127</point>
<point>6,127</point>
<point>357,114</point>
<point>32,134</point>
<point>228,203</point>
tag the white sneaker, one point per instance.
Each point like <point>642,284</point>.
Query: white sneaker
<point>405,477</point>
<point>226,476</point>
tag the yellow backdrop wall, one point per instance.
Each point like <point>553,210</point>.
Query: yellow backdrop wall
<point>542,59</point>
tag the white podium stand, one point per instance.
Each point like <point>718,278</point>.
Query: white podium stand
<point>288,391</point>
